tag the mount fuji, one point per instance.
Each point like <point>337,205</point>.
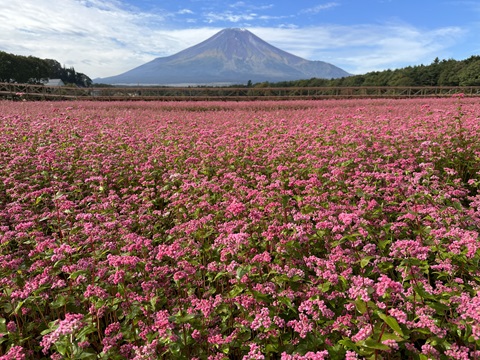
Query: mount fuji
<point>232,56</point>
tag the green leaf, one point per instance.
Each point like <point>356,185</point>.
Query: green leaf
<point>364,262</point>
<point>219,275</point>
<point>422,331</point>
<point>18,307</point>
<point>385,266</point>
<point>87,355</point>
<point>153,302</point>
<point>62,347</point>
<point>348,344</point>
<point>237,290</point>
<point>7,307</point>
<point>325,286</point>
<point>182,319</point>
<point>51,327</point>
<point>361,306</point>
<point>457,205</point>
<point>271,348</point>
<point>3,327</point>
<point>420,291</point>
<point>383,243</point>
<point>374,344</point>
<point>75,274</point>
<point>59,302</point>
<point>392,322</point>
<point>286,301</point>
<point>242,270</point>
<point>86,331</point>
<point>339,242</point>
<point>260,296</point>
<point>57,196</point>
<point>439,307</point>
<point>390,336</point>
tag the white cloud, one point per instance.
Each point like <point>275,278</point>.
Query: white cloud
<point>213,17</point>
<point>319,8</point>
<point>185,11</point>
<point>363,48</point>
<point>242,4</point>
<point>98,38</point>
<point>238,4</point>
<point>103,38</point>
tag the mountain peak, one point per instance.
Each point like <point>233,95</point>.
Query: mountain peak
<point>234,30</point>
<point>231,56</point>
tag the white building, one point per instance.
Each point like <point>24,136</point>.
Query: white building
<point>55,82</point>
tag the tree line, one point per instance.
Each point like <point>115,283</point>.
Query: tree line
<point>438,73</point>
<point>33,70</point>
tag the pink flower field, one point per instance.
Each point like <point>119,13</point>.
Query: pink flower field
<point>336,229</point>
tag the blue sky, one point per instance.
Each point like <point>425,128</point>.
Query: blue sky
<point>107,37</point>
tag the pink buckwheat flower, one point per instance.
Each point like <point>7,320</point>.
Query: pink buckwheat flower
<point>347,219</point>
<point>302,326</point>
<point>391,344</point>
<point>11,326</point>
<point>254,353</point>
<point>14,353</point>
<point>235,208</point>
<point>385,283</point>
<point>458,352</point>
<point>409,248</point>
<point>319,355</point>
<point>399,315</point>
<point>351,355</point>
<point>430,351</point>
<point>69,325</point>
<point>362,334</point>
<point>262,319</point>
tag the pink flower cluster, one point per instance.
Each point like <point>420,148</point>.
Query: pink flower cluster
<point>69,325</point>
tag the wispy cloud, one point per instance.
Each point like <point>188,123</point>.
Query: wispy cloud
<point>319,8</point>
<point>362,48</point>
<point>185,11</point>
<point>229,16</point>
<point>243,4</point>
<point>472,4</point>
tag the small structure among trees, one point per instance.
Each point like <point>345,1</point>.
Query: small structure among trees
<point>55,82</point>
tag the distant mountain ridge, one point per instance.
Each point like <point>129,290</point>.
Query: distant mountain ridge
<point>232,56</point>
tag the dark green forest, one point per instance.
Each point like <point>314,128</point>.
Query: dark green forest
<point>33,70</point>
<point>438,73</point>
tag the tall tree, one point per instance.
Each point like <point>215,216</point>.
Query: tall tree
<point>7,63</point>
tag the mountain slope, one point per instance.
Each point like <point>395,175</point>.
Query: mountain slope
<point>230,56</point>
